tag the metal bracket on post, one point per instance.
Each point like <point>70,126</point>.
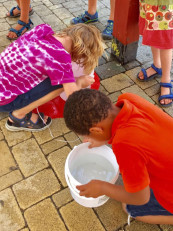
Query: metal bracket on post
<point>125,31</point>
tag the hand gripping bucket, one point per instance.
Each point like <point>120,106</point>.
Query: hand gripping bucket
<point>82,151</point>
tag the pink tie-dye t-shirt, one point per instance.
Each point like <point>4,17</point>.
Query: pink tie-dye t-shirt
<point>31,59</point>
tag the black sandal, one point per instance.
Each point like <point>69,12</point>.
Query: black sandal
<point>25,124</point>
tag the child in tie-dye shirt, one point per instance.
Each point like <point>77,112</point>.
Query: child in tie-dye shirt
<point>37,68</point>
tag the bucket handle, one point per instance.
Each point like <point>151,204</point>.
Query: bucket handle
<point>74,189</point>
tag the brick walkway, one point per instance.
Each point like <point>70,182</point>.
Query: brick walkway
<point>33,191</point>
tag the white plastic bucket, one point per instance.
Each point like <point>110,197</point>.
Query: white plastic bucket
<point>79,152</point>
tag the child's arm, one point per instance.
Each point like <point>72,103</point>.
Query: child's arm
<point>96,188</point>
<point>81,82</point>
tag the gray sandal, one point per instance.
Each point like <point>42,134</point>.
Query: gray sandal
<point>25,124</point>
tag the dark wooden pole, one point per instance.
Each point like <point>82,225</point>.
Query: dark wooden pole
<point>125,31</point>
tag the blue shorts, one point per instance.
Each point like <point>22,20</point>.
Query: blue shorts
<point>151,208</point>
<point>34,94</point>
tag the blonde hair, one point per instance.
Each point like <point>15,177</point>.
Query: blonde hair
<point>87,45</point>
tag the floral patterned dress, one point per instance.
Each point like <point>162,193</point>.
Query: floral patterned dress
<point>156,23</point>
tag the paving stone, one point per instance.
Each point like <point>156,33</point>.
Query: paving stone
<point>11,21</point>
<point>66,21</point>
<point>167,227</point>
<point>60,27</point>
<point>138,91</point>
<point>3,115</point>
<point>72,4</point>
<point>4,32</point>
<point>55,7</point>
<point>47,3</point>
<point>153,90</point>
<point>29,157</point>
<point>53,145</point>
<point>10,179</point>
<point>143,53</point>
<point>117,83</point>
<point>52,20</point>
<point>111,215</point>
<point>103,90</point>
<point>42,10</point>
<point>133,75</point>
<point>1,135</point>
<point>108,56</point>
<point>63,197</point>
<point>57,1</point>
<point>101,61</point>
<point>36,19</point>
<point>2,49</point>
<point>36,188</point>
<point>14,138</point>
<point>3,12</point>
<point>58,128</point>
<point>140,226</point>
<point>44,217</point>
<point>9,4</point>
<point>36,3</point>
<point>62,13</point>
<point>73,139</point>
<point>7,161</point>
<point>79,8</point>
<point>131,65</point>
<point>10,215</point>
<point>4,26</point>
<point>77,217</point>
<point>4,41</point>
<point>25,229</point>
<point>109,69</point>
<point>114,96</point>
<point>57,160</point>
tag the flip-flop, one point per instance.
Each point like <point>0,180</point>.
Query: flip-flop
<point>170,96</point>
<point>25,124</point>
<point>148,78</point>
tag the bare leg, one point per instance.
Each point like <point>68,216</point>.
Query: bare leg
<point>166,61</point>
<point>112,4</point>
<point>152,219</point>
<point>92,6</point>
<point>156,60</point>
<point>20,113</point>
<point>25,8</point>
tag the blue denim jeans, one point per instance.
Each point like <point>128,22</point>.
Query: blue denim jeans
<point>151,208</point>
<point>34,94</point>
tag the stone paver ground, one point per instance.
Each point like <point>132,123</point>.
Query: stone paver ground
<point>33,192</point>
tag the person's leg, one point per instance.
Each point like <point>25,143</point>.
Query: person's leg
<point>157,219</point>
<point>89,16</point>
<point>20,113</point>
<point>24,16</point>
<point>92,6</point>
<point>166,61</point>
<point>156,61</point>
<point>112,10</point>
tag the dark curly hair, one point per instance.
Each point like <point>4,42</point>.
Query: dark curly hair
<point>85,108</point>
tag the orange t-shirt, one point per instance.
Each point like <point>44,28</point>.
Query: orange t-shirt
<point>142,140</point>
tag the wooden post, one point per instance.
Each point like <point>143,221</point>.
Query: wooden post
<point>125,31</point>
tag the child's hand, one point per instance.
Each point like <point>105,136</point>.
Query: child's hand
<point>84,81</point>
<point>92,189</point>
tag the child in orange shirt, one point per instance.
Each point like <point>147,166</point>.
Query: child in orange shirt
<point>141,138</point>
